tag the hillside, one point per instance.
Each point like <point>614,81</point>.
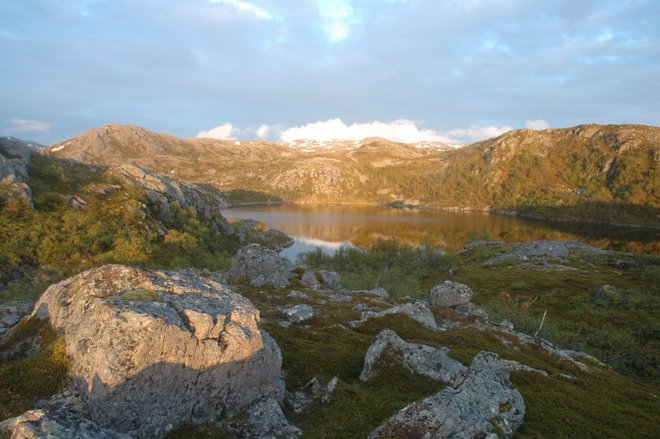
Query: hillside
<point>604,173</point>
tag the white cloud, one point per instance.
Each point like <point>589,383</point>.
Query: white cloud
<point>474,133</point>
<point>263,131</point>
<point>401,130</point>
<point>338,17</point>
<point>538,124</point>
<point>26,126</point>
<point>225,131</point>
<point>248,7</point>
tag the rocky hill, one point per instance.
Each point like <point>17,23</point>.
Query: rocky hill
<point>590,172</point>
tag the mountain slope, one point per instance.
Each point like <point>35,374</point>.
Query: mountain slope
<point>590,172</point>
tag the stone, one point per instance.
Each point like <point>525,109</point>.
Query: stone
<point>331,280</point>
<point>298,313</point>
<point>380,292</point>
<point>506,325</point>
<point>12,313</point>
<point>294,294</point>
<point>424,360</point>
<point>309,280</point>
<point>471,310</point>
<point>60,423</point>
<point>163,192</point>
<point>449,293</point>
<point>264,420</point>
<point>340,298</point>
<point>479,402</point>
<point>263,266</point>
<point>312,394</point>
<point>15,157</point>
<point>418,311</point>
<point>149,350</point>
<point>607,294</point>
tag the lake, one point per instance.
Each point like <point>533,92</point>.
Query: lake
<point>331,227</point>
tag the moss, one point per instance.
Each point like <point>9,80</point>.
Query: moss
<point>141,294</point>
<point>199,432</point>
<point>24,381</point>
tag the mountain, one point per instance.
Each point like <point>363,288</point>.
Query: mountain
<point>589,172</point>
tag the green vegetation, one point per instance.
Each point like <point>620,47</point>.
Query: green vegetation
<point>24,380</point>
<point>622,332</point>
<point>141,294</point>
<point>116,224</point>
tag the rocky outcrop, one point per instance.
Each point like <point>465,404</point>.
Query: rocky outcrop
<point>309,280</point>
<point>479,402</point>
<point>297,314</point>
<point>163,192</point>
<point>262,266</point>
<point>61,423</point>
<point>14,159</point>
<point>312,394</point>
<point>450,293</point>
<point>150,350</point>
<point>548,254</point>
<point>418,311</point>
<point>331,280</point>
<point>423,360</point>
<point>11,313</point>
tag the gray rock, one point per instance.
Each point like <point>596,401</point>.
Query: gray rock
<point>294,294</point>
<point>150,350</point>
<point>311,395</point>
<point>298,313</point>
<point>450,293</point>
<point>262,266</point>
<point>58,424</point>
<point>309,280</point>
<point>15,156</point>
<point>340,298</point>
<point>380,292</point>
<point>506,325</point>
<point>264,420</point>
<point>12,313</point>
<point>163,192</point>
<point>424,360</point>
<point>331,280</point>
<point>418,311</point>
<point>361,307</point>
<point>471,310</point>
<point>607,294</point>
<point>478,403</point>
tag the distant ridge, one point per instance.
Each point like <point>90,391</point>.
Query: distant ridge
<point>605,173</point>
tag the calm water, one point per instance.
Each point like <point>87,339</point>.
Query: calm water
<point>331,227</point>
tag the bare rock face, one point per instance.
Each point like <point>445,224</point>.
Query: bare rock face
<point>424,360</point>
<point>14,159</point>
<point>61,423</point>
<point>151,350</point>
<point>309,280</point>
<point>163,192</point>
<point>450,293</point>
<point>418,311</point>
<point>479,403</point>
<point>262,266</point>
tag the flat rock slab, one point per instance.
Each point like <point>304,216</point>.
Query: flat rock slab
<point>418,311</point>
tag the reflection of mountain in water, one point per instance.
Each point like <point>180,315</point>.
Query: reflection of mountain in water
<point>332,226</point>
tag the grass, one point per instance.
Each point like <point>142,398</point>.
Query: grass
<point>26,380</point>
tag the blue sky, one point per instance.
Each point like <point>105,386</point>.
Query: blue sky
<point>458,70</point>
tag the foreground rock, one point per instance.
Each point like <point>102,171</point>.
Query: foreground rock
<point>480,402</point>
<point>331,280</point>
<point>152,350</point>
<point>14,159</point>
<point>423,360</point>
<point>309,280</point>
<point>450,293</point>
<point>58,424</point>
<point>297,314</point>
<point>263,266</point>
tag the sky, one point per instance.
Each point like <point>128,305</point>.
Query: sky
<point>408,70</point>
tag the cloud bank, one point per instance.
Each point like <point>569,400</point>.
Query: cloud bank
<point>28,126</point>
<point>226,131</point>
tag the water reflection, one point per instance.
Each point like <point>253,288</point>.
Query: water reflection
<point>330,227</point>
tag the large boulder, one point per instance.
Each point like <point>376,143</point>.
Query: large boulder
<point>421,359</point>
<point>331,280</point>
<point>263,266</point>
<point>450,293</point>
<point>151,350</point>
<point>479,402</point>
